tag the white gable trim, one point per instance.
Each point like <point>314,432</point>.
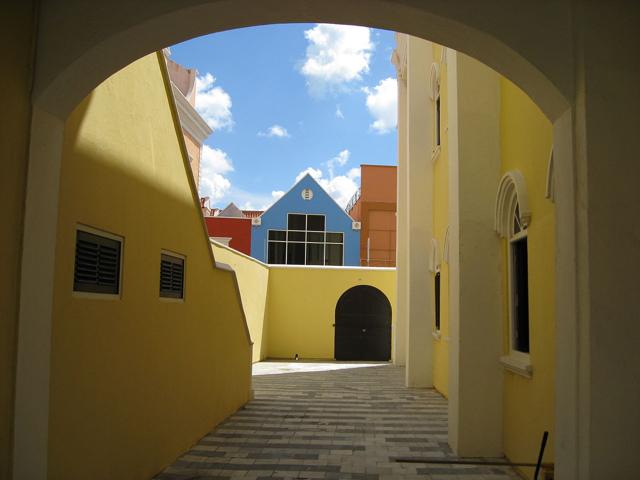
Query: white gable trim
<point>512,190</point>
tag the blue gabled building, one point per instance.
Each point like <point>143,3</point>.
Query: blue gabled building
<point>306,227</point>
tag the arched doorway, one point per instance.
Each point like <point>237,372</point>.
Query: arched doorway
<point>515,46</point>
<point>363,325</point>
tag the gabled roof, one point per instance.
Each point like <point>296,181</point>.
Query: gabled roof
<point>252,213</point>
<point>231,211</point>
<point>304,178</point>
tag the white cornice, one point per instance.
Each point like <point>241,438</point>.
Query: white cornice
<point>190,119</point>
<point>399,60</point>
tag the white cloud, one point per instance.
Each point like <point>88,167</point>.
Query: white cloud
<point>250,200</point>
<point>341,188</point>
<point>213,103</point>
<point>354,173</point>
<point>314,172</point>
<point>277,194</point>
<point>339,113</point>
<point>214,164</point>
<point>336,55</point>
<point>275,131</point>
<point>341,159</point>
<point>382,102</point>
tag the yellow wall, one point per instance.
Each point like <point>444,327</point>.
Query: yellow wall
<point>440,224</point>
<point>302,304</point>
<point>253,280</point>
<point>526,139</point>
<point>15,55</point>
<point>137,380</point>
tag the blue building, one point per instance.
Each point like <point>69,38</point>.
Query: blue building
<point>306,227</point>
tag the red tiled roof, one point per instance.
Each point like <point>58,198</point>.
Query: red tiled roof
<point>252,213</point>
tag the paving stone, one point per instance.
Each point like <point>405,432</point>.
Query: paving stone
<point>334,421</point>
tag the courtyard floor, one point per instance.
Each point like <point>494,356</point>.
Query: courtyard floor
<point>330,421</point>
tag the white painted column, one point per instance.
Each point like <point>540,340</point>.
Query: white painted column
<point>475,312</point>
<point>31,424</point>
<point>598,207</point>
<point>402,244</point>
<point>419,114</point>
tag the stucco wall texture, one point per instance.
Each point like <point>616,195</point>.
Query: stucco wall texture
<point>291,309</point>
<point>15,50</point>
<point>136,379</point>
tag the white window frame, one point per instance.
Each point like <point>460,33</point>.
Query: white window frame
<point>97,295</point>
<point>516,361</point>
<point>513,197</point>
<point>171,253</point>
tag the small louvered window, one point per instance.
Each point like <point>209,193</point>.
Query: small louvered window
<point>171,276</point>
<point>97,267</point>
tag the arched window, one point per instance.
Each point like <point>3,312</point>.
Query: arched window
<point>512,218</point>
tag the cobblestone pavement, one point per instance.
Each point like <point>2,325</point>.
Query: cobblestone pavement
<point>330,421</point>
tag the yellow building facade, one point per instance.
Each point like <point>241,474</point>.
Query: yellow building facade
<point>489,165</point>
<point>291,310</point>
<point>136,369</point>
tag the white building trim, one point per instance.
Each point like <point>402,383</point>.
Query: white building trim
<point>190,119</point>
<point>512,190</point>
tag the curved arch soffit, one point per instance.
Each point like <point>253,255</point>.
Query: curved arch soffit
<point>512,191</point>
<point>377,290</point>
<point>76,56</point>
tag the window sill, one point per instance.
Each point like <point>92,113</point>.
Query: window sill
<point>436,335</point>
<point>520,366</point>
<point>171,299</point>
<point>96,295</point>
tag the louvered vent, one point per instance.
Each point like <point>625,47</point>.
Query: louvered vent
<point>171,276</point>
<point>97,268</point>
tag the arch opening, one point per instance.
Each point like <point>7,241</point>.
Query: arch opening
<point>363,325</point>
<point>69,70</point>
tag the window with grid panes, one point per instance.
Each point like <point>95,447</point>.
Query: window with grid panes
<point>305,242</point>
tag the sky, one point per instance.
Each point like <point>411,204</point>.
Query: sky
<point>284,100</point>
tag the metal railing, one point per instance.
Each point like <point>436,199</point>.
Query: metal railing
<point>353,201</point>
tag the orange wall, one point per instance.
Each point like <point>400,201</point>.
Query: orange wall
<point>376,209</point>
<point>193,149</point>
<point>378,183</point>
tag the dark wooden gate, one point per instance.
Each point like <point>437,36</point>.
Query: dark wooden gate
<point>363,325</point>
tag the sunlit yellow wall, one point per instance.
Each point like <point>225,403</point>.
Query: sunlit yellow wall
<point>253,280</point>
<point>440,224</point>
<point>302,304</point>
<point>15,54</point>
<point>526,139</point>
<point>137,380</point>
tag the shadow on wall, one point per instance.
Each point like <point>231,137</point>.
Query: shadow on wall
<point>253,282</point>
<point>137,379</point>
<point>292,309</point>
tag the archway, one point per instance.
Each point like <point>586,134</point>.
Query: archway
<point>363,325</point>
<point>75,56</point>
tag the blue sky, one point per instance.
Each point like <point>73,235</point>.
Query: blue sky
<point>286,99</point>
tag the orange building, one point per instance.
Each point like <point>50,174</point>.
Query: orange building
<point>194,128</point>
<point>374,206</point>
